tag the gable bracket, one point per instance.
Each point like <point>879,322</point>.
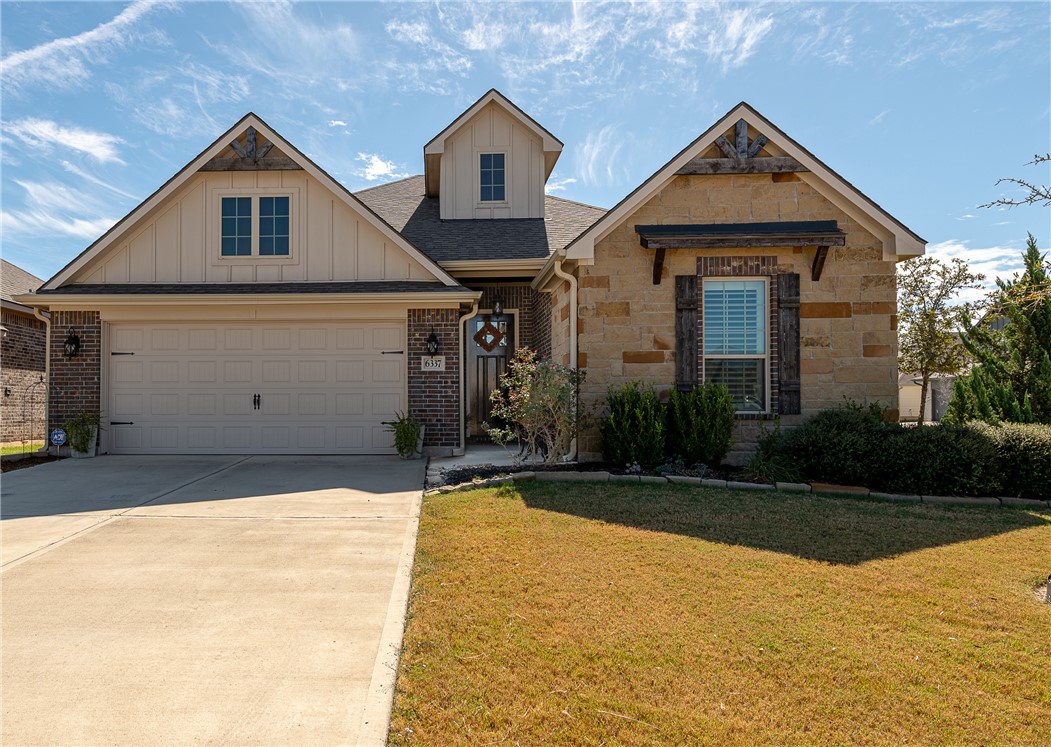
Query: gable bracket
<point>250,157</point>
<point>658,265</point>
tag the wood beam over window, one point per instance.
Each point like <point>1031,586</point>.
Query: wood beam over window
<point>820,234</point>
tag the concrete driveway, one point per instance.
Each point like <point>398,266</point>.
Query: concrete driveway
<point>205,600</point>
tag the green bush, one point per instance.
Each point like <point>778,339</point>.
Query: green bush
<point>633,432</point>
<point>942,459</point>
<point>1023,455</point>
<point>700,425</point>
<point>839,446</point>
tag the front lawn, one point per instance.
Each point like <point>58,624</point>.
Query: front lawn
<point>29,447</point>
<point>588,614</point>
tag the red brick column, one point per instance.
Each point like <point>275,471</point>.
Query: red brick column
<point>434,398</point>
<point>75,382</point>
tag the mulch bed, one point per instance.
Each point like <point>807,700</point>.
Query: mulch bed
<point>484,471</point>
<point>9,465</point>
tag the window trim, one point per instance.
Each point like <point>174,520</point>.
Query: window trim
<point>479,152</point>
<point>215,207</point>
<point>767,331</point>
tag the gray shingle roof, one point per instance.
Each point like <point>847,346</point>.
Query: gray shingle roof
<point>359,286</point>
<point>14,281</point>
<point>405,207</point>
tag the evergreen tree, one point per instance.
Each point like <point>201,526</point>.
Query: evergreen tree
<point>1012,380</point>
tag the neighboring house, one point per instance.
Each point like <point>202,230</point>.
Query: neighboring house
<point>253,305</point>
<point>22,359</point>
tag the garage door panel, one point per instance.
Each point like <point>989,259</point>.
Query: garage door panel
<point>189,388</point>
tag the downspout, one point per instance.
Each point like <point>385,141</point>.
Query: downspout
<point>46,319</point>
<point>559,272</point>
<point>463,378</point>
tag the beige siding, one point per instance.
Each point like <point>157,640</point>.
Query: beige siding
<point>179,241</point>
<point>622,312</point>
<point>493,130</point>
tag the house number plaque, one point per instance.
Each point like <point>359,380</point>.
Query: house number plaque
<point>432,363</point>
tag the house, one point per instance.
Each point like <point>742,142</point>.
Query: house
<point>254,305</point>
<point>22,359</point>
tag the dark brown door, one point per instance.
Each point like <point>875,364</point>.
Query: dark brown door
<point>489,343</point>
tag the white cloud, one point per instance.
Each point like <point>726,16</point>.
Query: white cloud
<point>991,261</point>
<point>336,123</point>
<point>64,62</point>
<point>43,134</point>
<point>554,184</point>
<point>597,156</point>
<point>376,167</point>
<point>52,208</point>
<point>77,171</point>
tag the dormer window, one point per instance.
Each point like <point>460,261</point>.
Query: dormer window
<point>493,177</point>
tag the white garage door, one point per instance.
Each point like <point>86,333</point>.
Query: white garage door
<point>255,388</point>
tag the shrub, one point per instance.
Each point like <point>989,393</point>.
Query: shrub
<point>839,446</point>
<point>1024,457</point>
<point>942,459</point>
<point>538,403</point>
<point>700,425</point>
<point>634,430</point>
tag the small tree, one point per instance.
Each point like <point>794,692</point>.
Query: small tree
<point>1034,193</point>
<point>538,401</point>
<point>1012,381</point>
<point>929,321</point>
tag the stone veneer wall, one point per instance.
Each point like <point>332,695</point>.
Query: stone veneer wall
<point>434,398</point>
<point>75,382</point>
<point>848,319</point>
<point>22,368</point>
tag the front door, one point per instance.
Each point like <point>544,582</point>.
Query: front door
<point>490,341</point>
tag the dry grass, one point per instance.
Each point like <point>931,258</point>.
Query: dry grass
<point>601,614</point>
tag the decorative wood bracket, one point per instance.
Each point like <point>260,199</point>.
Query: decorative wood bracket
<point>658,265</point>
<point>819,263</point>
<point>250,157</point>
<point>741,157</point>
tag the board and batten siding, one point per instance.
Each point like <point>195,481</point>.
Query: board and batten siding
<point>492,131</point>
<point>174,243</point>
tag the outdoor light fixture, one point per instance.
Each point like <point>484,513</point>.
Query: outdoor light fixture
<point>498,307</point>
<point>72,344</point>
<point>432,344</point>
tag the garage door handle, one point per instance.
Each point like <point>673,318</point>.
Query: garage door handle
<point>121,422</point>
<point>255,402</point>
<point>393,352</point>
<point>116,353</point>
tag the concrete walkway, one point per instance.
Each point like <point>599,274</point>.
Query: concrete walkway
<point>205,600</point>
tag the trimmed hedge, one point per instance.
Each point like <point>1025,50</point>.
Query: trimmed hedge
<point>855,447</point>
<point>633,432</point>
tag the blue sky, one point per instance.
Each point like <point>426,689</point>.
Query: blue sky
<point>921,106</point>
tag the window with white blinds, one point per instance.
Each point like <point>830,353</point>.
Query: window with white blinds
<point>735,348</point>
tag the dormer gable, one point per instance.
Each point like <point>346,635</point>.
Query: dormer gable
<point>491,162</point>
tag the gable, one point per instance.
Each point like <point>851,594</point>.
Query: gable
<point>493,130</point>
<point>744,142</point>
<point>173,236</point>
<point>433,151</point>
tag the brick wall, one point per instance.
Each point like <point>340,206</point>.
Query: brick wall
<point>848,338</point>
<point>75,382</point>
<point>23,398</point>
<point>534,327</point>
<point>434,398</point>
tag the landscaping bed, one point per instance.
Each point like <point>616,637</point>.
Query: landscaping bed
<point>589,613</point>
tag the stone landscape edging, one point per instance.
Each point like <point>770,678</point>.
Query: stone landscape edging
<point>782,487</point>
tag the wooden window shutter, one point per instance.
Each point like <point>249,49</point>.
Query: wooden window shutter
<point>788,342</point>
<point>686,346</point>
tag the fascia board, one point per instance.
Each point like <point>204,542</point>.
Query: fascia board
<point>93,300</point>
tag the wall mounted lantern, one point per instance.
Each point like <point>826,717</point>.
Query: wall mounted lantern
<point>432,344</point>
<point>72,344</point>
<point>498,307</point>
